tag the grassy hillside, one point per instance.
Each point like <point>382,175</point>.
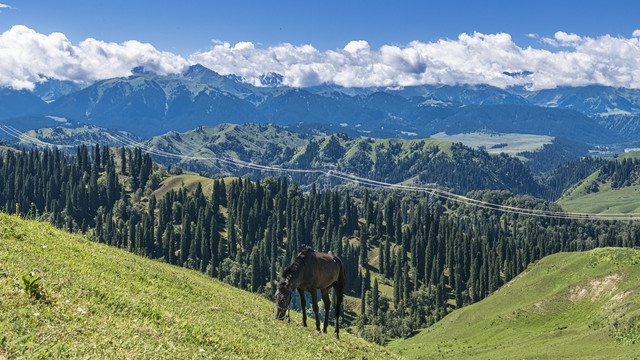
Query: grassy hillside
<point>188,181</point>
<point>579,198</point>
<point>606,200</point>
<point>103,302</point>
<point>568,305</point>
<point>495,143</point>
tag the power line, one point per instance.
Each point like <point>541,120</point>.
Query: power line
<point>432,190</point>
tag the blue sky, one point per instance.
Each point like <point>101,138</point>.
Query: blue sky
<point>349,43</point>
<point>184,27</point>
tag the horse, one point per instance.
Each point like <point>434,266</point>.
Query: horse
<point>310,271</point>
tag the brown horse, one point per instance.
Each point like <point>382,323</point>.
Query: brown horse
<point>311,271</point>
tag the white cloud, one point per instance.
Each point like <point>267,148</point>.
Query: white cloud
<point>636,33</point>
<point>471,58</point>
<point>4,6</point>
<point>26,56</point>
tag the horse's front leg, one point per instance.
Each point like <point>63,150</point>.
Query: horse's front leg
<point>314,298</point>
<point>303,304</point>
<point>327,306</point>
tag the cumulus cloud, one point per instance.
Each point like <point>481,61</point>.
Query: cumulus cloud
<point>27,57</point>
<point>470,59</point>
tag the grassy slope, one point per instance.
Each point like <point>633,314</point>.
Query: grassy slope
<point>606,200</point>
<point>190,182</point>
<point>565,306</point>
<point>106,302</point>
<point>516,143</point>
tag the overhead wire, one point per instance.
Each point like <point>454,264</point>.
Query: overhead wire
<point>430,189</point>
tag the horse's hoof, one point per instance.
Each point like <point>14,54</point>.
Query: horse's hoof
<point>318,332</point>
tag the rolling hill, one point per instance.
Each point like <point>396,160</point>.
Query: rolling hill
<point>581,305</point>
<point>391,160</point>
<point>103,302</point>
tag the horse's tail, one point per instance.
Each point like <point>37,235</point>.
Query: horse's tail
<point>342,277</point>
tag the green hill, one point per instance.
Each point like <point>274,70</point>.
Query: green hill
<point>567,305</point>
<point>102,302</point>
<point>614,188</point>
<point>390,160</point>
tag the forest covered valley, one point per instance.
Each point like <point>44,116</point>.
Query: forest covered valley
<point>411,258</point>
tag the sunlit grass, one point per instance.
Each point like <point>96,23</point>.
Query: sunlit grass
<point>102,302</point>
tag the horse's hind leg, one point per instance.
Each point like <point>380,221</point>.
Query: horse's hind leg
<point>339,296</point>
<point>327,306</point>
<point>314,299</point>
<point>303,304</point>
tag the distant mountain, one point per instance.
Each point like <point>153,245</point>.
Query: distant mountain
<point>296,105</point>
<point>464,94</point>
<point>524,119</point>
<point>150,105</point>
<point>53,89</point>
<point>14,103</point>
<point>271,79</point>
<point>626,126</point>
<point>231,84</point>
<point>589,100</point>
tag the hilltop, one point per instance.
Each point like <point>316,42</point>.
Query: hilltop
<point>101,301</point>
<point>567,305</point>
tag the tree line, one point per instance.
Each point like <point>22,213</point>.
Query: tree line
<point>409,258</point>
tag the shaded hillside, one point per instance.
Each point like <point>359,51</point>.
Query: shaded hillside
<point>627,126</point>
<point>559,152</point>
<point>524,119</point>
<point>14,103</point>
<point>103,302</point>
<point>568,305</point>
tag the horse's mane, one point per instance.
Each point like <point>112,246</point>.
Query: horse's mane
<point>297,262</point>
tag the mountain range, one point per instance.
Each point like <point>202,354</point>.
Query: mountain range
<point>147,104</point>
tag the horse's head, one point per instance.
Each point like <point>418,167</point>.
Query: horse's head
<point>283,298</point>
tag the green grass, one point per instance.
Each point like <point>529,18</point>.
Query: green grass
<point>516,143</point>
<point>189,181</point>
<point>569,305</point>
<point>630,155</point>
<point>103,302</point>
<point>606,200</point>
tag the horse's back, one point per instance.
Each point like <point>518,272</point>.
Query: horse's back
<point>328,269</point>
